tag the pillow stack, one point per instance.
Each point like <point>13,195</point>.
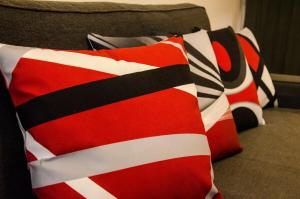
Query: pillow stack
<point>212,100</point>
<point>115,121</point>
<point>232,81</point>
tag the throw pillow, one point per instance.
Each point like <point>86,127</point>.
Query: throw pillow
<point>109,124</point>
<point>237,79</point>
<point>264,85</point>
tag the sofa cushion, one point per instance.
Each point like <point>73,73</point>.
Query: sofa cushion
<point>265,88</point>
<point>237,79</point>
<point>269,166</point>
<point>95,120</point>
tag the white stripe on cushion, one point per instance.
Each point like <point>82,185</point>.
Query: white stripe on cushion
<point>200,41</point>
<point>9,57</point>
<point>207,90</point>
<point>116,156</point>
<point>199,63</point>
<point>214,112</point>
<point>205,75</point>
<point>204,102</point>
<point>252,106</point>
<point>189,88</point>
<point>177,46</point>
<point>39,151</point>
<point>266,78</point>
<point>84,186</point>
<point>262,97</point>
<point>91,62</point>
<point>246,32</point>
<point>89,189</point>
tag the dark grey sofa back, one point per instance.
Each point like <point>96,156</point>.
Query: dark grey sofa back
<point>64,26</point>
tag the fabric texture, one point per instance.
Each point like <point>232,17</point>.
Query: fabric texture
<point>119,118</point>
<point>237,79</point>
<point>262,78</point>
<point>212,101</point>
<point>265,168</point>
<point>76,20</point>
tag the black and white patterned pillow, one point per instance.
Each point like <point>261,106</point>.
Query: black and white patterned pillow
<point>203,64</point>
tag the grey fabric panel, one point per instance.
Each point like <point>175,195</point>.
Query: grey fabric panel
<point>48,26</point>
<point>90,7</point>
<point>269,166</point>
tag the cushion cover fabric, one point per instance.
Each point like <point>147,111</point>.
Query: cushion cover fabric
<point>265,88</point>
<point>237,78</point>
<point>217,117</point>
<point>98,123</point>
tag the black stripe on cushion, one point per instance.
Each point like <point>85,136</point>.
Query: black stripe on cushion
<point>99,93</point>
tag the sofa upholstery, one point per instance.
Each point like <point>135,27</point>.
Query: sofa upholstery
<point>269,166</point>
<point>63,25</point>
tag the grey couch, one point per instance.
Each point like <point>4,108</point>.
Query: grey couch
<point>269,166</point>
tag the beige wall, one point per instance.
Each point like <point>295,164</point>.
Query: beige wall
<point>222,13</point>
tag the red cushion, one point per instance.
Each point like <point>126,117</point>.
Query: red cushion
<point>237,79</point>
<point>118,123</point>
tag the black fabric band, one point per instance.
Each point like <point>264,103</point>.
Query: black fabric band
<point>99,93</point>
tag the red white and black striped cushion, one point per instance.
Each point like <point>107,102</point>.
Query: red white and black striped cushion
<point>118,123</point>
<point>214,106</point>
<point>237,79</point>
<point>264,85</point>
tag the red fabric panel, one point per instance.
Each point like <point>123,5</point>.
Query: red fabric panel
<point>145,55</point>
<point>33,78</point>
<point>247,95</point>
<point>223,58</point>
<point>250,53</point>
<point>56,191</point>
<point>223,139</point>
<point>138,117</point>
<point>30,157</point>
